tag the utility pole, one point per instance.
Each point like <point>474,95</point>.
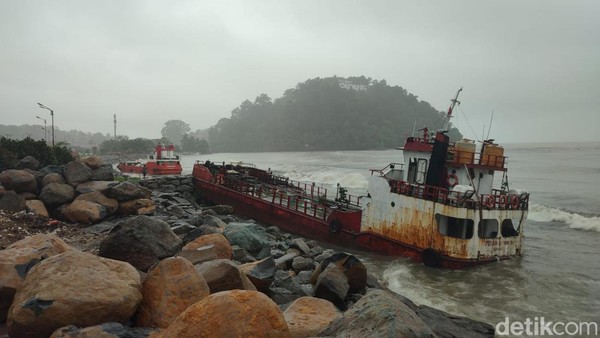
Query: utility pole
<point>115,121</point>
<point>52,116</point>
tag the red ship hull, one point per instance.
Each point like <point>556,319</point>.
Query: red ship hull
<point>279,213</point>
<point>152,168</point>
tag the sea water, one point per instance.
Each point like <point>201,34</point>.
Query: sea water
<point>557,278</point>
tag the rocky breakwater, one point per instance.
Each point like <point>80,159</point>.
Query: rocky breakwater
<point>199,271</point>
<point>81,192</point>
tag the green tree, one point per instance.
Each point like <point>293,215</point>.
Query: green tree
<point>174,131</point>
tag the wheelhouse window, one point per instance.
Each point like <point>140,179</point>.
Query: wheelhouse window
<point>508,228</point>
<point>488,228</point>
<point>455,227</point>
<point>417,170</point>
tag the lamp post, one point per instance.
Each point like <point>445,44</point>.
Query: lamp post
<point>51,115</point>
<point>45,130</point>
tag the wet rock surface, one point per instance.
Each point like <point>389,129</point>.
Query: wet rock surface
<point>283,269</point>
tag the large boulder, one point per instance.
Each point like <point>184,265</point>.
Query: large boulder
<point>249,236</point>
<point>106,330</point>
<point>51,169</point>
<point>233,313</point>
<point>103,173</point>
<point>100,186</point>
<point>77,172</point>
<point>18,180</point>
<point>18,258</point>
<point>302,264</point>
<point>55,194</point>
<point>260,273</point>
<point>140,206</point>
<point>199,255</point>
<point>332,285</point>
<point>27,162</point>
<point>127,191</point>
<point>169,288</point>
<point>73,288</point>
<point>92,162</point>
<point>11,201</point>
<point>222,246</point>
<point>353,268</point>
<point>222,275</point>
<point>84,212</point>
<point>378,314</point>
<point>37,207</point>
<point>307,316</point>
<point>52,178</point>
<point>447,325</point>
<point>142,241</point>
<point>110,204</point>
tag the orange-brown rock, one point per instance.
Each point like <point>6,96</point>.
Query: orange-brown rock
<point>110,204</point>
<point>37,207</point>
<point>93,162</point>
<point>106,330</point>
<point>235,313</point>
<point>307,316</point>
<point>18,258</point>
<point>52,178</point>
<point>222,275</point>
<point>222,246</point>
<point>170,287</point>
<point>73,288</point>
<point>86,212</point>
<point>140,206</point>
<point>18,180</point>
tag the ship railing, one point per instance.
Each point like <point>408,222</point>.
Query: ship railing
<point>390,166</point>
<point>498,199</point>
<point>291,199</point>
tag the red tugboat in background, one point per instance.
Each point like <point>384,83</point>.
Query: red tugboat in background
<point>163,162</point>
<point>438,207</point>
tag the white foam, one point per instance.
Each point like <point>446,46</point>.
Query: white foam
<point>541,213</point>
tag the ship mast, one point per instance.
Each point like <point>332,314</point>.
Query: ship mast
<point>450,109</point>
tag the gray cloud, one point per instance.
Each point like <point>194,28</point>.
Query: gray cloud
<point>535,63</point>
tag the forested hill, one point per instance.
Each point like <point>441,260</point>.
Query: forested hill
<point>334,113</point>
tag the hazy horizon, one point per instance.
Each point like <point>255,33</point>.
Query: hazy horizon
<point>536,64</point>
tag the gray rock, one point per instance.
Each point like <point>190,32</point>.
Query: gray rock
<point>378,314</point>
<point>333,286</point>
<point>223,275</point>
<point>315,251</point>
<point>55,194</point>
<point>214,221</point>
<point>182,228</point>
<point>28,162</point>
<point>11,201</point>
<point>241,255</point>
<point>221,209</point>
<point>447,325</point>
<point>140,241</point>
<point>249,236</point>
<point>51,169</point>
<point>302,264</point>
<point>103,173</point>
<point>90,186</point>
<point>77,172</point>
<point>303,277</point>
<point>299,244</point>
<point>127,191</point>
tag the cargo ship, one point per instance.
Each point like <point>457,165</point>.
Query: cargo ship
<point>164,161</point>
<point>439,206</point>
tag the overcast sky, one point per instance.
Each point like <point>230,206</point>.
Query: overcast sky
<point>536,64</point>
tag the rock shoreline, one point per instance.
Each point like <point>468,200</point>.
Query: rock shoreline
<point>169,267</point>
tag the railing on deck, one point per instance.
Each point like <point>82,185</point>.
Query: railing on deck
<point>498,200</point>
<point>293,197</point>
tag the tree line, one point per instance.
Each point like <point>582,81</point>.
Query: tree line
<point>323,114</point>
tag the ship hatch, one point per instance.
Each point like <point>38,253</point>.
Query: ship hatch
<point>455,227</point>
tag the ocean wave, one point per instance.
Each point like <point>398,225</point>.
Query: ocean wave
<point>541,213</point>
<point>330,178</point>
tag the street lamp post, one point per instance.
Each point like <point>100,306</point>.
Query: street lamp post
<point>45,130</point>
<point>51,115</point>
